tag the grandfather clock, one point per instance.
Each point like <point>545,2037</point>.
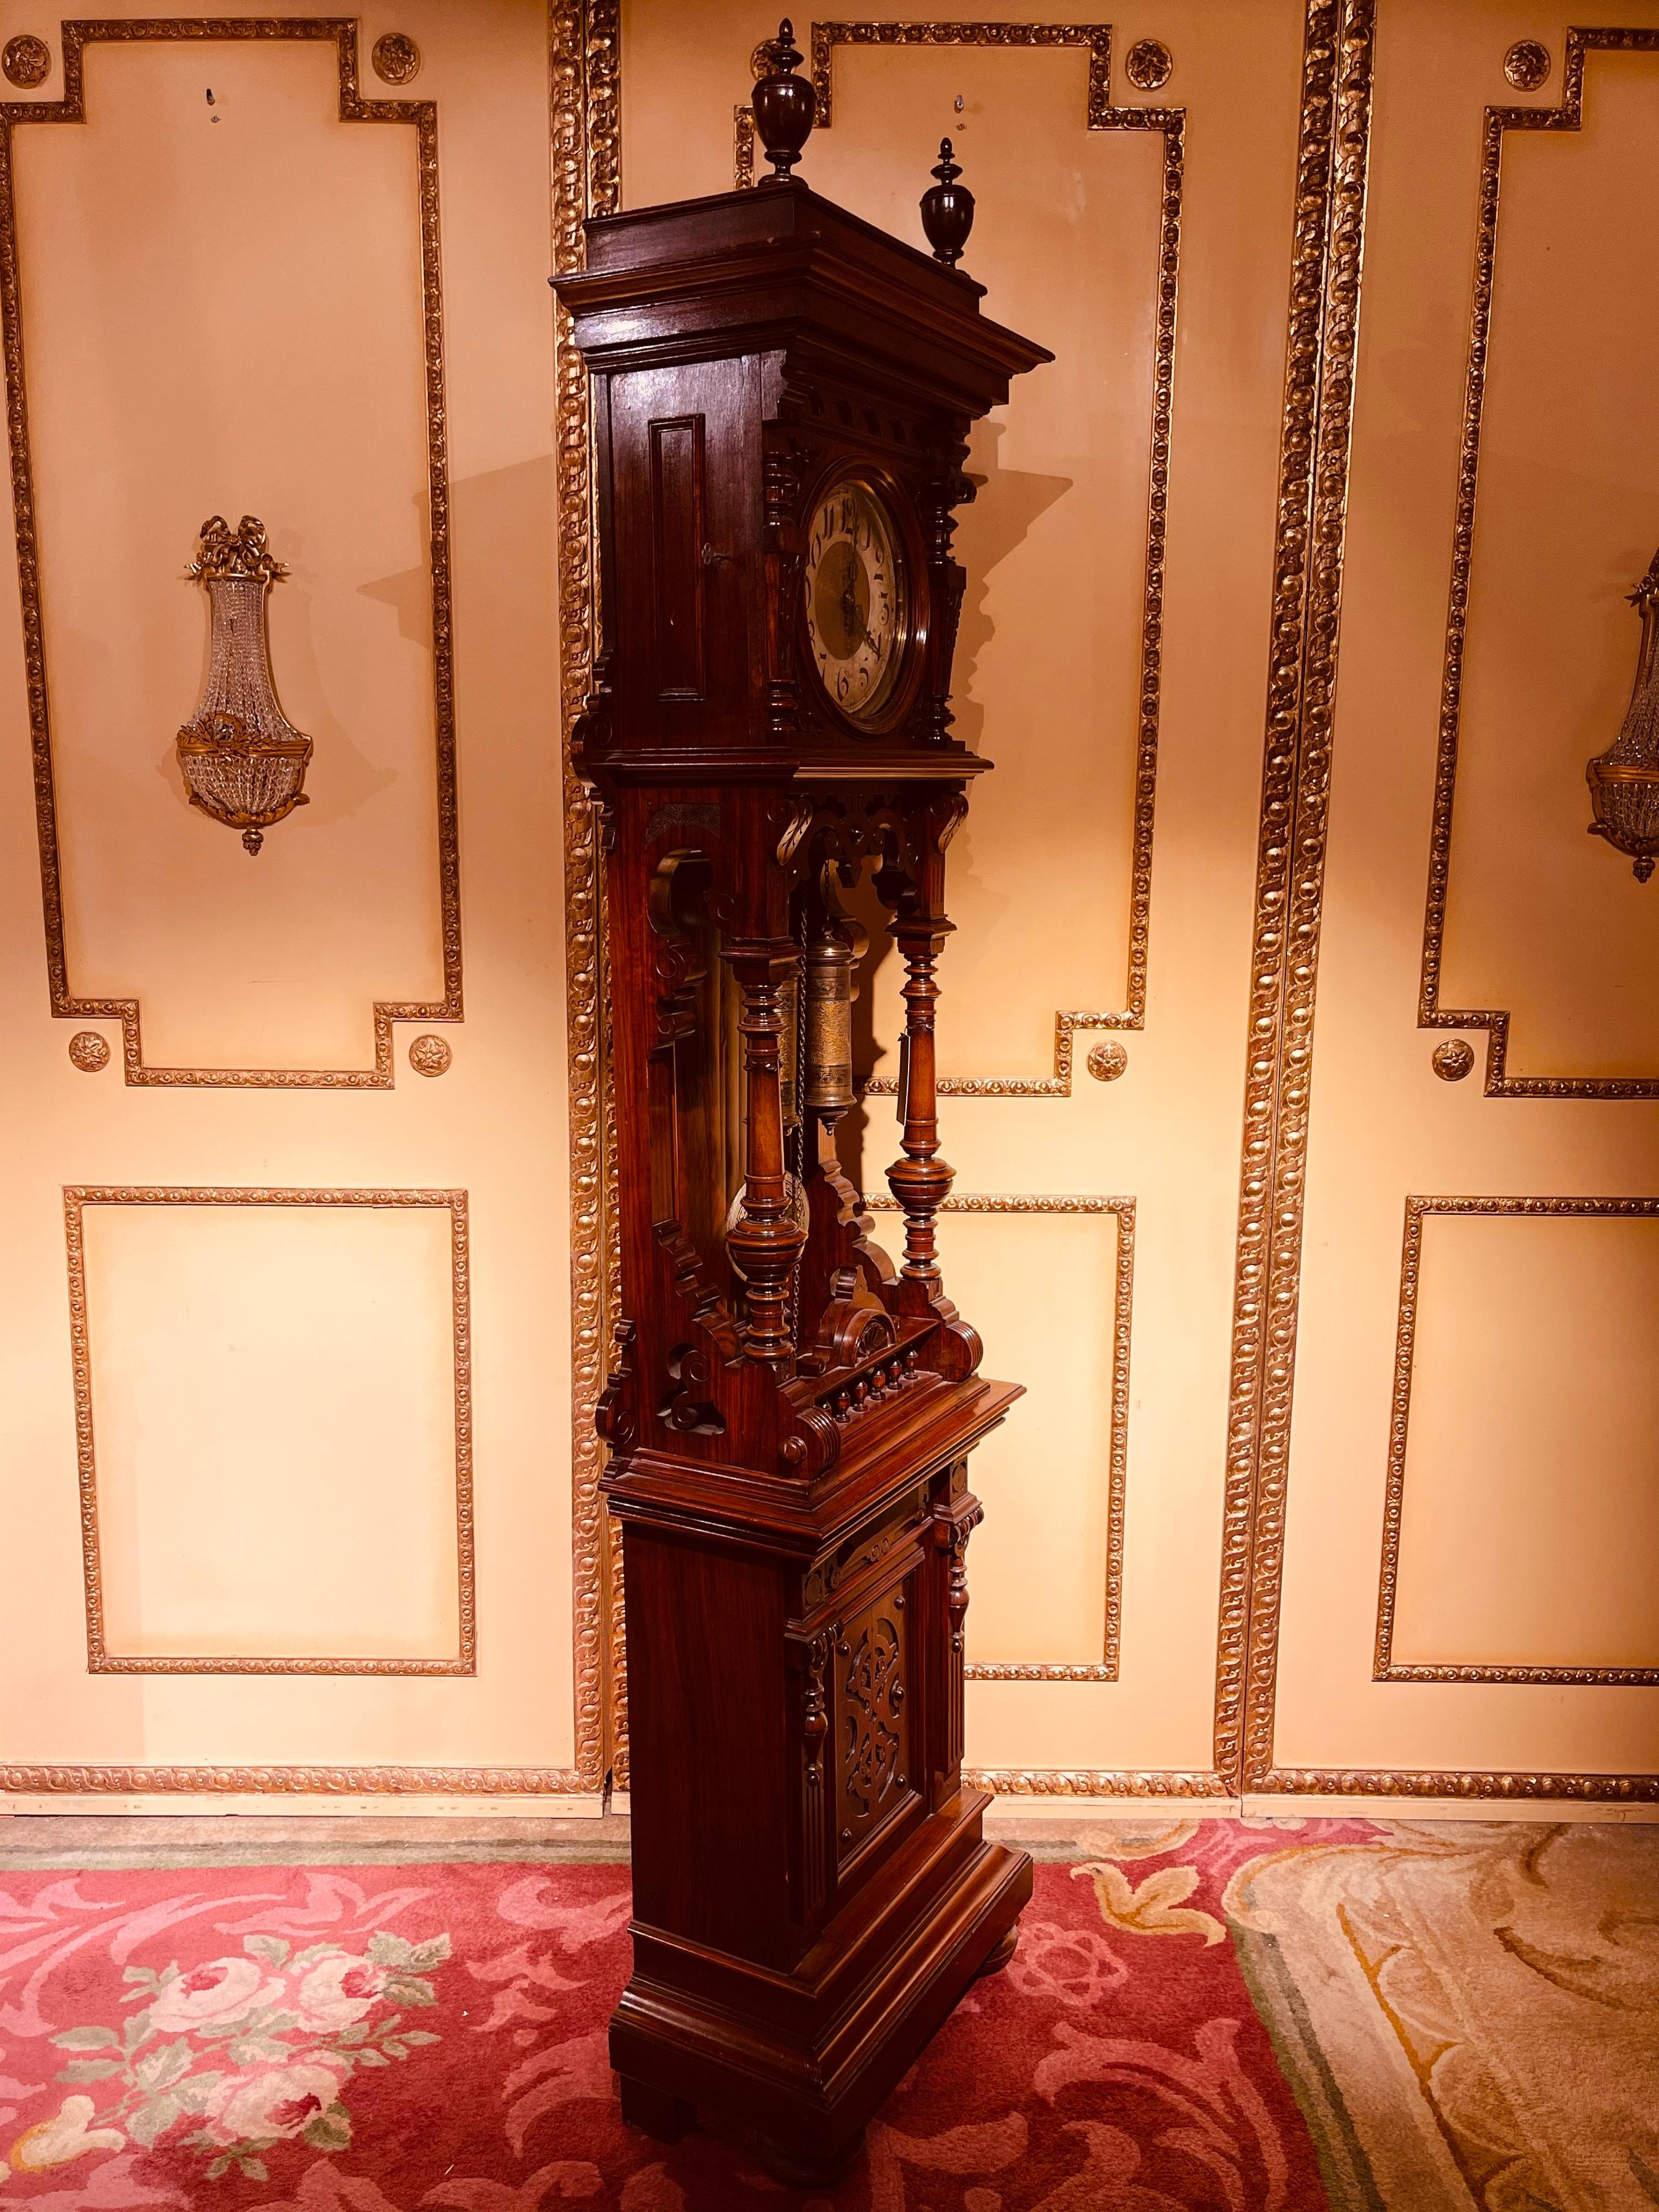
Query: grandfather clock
<point>781,395</point>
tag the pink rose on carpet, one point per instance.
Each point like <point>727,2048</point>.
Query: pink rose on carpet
<point>206,1996</point>
<point>337,1990</point>
<point>277,2100</point>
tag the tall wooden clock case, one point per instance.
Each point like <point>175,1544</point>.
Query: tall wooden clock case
<point>781,395</point>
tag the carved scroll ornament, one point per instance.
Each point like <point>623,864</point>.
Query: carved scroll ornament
<point>243,760</point>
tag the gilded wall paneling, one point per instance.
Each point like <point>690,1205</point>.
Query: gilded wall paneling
<point>1386,1668</point>
<point>422,116</point>
<point>1093,39</point>
<point>100,1660</point>
<point>1123,1211</point>
<point>1324,311</point>
<point>583,120</point>
<point>1523,69</point>
<point>1336,120</point>
<point>584,138</point>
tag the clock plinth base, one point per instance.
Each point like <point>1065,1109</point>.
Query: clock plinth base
<point>803,2062</point>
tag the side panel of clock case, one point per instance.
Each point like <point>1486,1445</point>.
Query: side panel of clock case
<point>1111,655</point>
<point>686,566</point>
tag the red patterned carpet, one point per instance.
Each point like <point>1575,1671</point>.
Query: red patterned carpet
<point>377,2038</point>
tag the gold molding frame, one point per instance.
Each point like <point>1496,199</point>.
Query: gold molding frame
<point>1473,1783</point>
<point>1324,319</point>
<point>99,1659</point>
<point>1095,40</point>
<point>341,32</point>
<point>1495,1021</point>
<point>1417,1210</point>
<point>1096,1782</point>
<point>304,1781</point>
<point>1122,1210</point>
<point>585,40</point>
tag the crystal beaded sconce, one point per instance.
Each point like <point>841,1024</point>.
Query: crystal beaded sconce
<point>243,761</point>
<point>1624,780</point>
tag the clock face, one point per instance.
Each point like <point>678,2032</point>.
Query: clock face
<point>857,613</point>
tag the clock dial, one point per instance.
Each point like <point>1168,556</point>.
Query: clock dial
<point>856,611</point>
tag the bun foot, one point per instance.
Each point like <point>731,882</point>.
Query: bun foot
<point>802,2167</point>
<point>656,2111</point>
<point>996,1960</point>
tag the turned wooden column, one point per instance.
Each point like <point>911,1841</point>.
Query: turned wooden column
<point>921,1181</point>
<point>766,1242</point>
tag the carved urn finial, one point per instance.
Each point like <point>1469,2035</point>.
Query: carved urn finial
<point>784,105</point>
<point>947,210</point>
<point>1624,781</point>
<point>243,760</point>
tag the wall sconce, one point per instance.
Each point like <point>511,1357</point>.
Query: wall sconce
<point>1624,781</point>
<point>243,761</point>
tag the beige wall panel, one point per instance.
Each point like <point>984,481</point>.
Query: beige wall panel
<point>1384,1124</point>
<point>494,1125</point>
<point>1530,1528</point>
<point>1566,519</point>
<point>1067,241</point>
<point>1040,1578</point>
<point>273,1414</point>
<point>222,314</point>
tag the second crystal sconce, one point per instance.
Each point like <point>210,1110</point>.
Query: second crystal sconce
<point>243,760</point>
<point>1624,781</point>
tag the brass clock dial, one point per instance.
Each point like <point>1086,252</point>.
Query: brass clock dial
<point>857,601</point>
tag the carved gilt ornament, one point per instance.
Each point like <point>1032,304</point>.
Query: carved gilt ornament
<point>1526,64</point>
<point>396,58</point>
<point>88,1051</point>
<point>26,61</point>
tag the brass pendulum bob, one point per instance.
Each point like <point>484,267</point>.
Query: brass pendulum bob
<point>947,210</point>
<point>784,104</point>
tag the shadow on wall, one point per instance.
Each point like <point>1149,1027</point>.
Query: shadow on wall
<point>1006,502</point>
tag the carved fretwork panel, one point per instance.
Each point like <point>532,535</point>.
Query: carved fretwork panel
<point>873,1677</point>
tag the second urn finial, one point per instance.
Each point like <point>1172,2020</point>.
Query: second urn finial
<point>947,210</point>
<point>784,104</point>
